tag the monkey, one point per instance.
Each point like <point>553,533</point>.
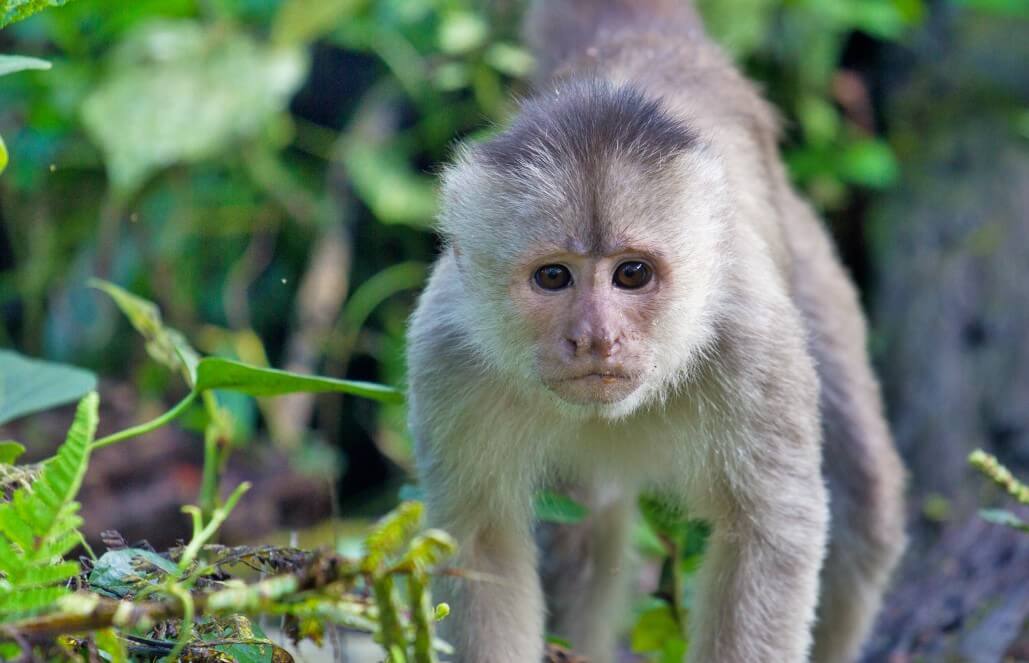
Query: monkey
<point>631,297</point>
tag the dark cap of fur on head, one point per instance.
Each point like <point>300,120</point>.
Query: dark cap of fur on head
<point>587,121</point>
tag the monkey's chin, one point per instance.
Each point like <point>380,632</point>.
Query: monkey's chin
<point>602,395</point>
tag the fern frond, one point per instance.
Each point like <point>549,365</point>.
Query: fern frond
<point>19,603</point>
<point>43,576</point>
<point>39,525</point>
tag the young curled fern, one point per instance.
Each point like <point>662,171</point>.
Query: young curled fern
<point>40,525</point>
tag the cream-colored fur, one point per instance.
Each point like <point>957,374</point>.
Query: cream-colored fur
<point>752,404</point>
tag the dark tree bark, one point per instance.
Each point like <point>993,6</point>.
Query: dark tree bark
<point>951,319</point>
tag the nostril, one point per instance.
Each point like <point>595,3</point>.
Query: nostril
<point>608,348</point>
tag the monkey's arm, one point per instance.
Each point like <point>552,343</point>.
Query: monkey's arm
<point>497,608</point>
<point>768,504</point>
<point>471,451</point>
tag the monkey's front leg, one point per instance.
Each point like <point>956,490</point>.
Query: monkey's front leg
<point>497,610</point>
<point>759,583</point>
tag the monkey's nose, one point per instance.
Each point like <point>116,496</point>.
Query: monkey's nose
<point>603,346</point>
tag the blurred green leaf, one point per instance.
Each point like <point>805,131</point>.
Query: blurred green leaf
<point>385,181</point>
<point>819,119</point>
<point>870,163</point>
<point>510,59</point>
<point>879,18</point>
<point>462,31</point>
<point>220,373</point>
<point>165,345</point>
<point>122,573</point>
<point>656,631</point>
<point>391,534</point>
<point>554,507</point>
<point>1004,517</point>
<point>12,63</point>
<point>15,10</point>
<point>3,155</point>
<point>1018,8</point>
<point>303,21</point>
<point>177,92</point>
<point>30,385</point>
<point>10,451</point>
<point>738,25</point>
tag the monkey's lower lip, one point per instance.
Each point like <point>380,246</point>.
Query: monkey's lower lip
<point>601,376</point>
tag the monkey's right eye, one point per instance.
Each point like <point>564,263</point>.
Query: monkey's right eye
<point>553,277</point>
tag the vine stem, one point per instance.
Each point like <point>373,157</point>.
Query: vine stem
<point>142,429</point>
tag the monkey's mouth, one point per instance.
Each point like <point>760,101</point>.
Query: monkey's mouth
<point>593,386</point>
<point>603,377</point>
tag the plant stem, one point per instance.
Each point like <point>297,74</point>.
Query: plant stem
<point>202,535</point>
<point>211,476</point>
<point>151,425</point>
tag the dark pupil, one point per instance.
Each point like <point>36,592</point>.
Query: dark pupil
<point>553,277</point>
<point>632,275</point>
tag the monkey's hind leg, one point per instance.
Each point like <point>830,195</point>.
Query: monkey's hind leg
<point>867,538</point>
<point>584,571</point>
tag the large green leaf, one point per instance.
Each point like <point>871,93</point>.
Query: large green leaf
<point>179,92</point>
<point>15,10</point>
<point>12,63</point>
<point>30,385</point>
<point>122,573</point>
<point>220,373</point>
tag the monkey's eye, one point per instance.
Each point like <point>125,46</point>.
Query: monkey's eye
<point>553,277</point>
<point>632,275</point>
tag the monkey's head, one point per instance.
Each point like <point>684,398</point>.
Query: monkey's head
<point>590,242</point>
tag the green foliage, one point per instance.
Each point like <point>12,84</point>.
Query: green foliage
<point>179,92</point>
<point>1002,477</point>
<point>10,451</point>
<point>39,525</point>
<point>664,533</point>
<point>127,571</point>
<point>1004,517</point>
<point>219,373</point>
<point>557,508</point>
<point>15,10</point>
<point>8,65</point>
<point>165,345</point>
<point>39,528</point>
<point>658,633</point>
<point>12,63</point>
<point>30,385</point>
<point>795,49</point>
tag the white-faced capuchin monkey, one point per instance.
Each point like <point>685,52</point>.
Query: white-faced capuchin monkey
<point>633,298</point>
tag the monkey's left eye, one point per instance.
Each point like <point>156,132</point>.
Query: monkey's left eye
<point>633,275</point>
<point>553,277</point>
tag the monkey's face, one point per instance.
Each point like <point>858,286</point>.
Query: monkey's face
<point>589,240</point>
<point>589,320</point>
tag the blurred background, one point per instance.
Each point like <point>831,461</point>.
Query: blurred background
<point>263,170</point>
